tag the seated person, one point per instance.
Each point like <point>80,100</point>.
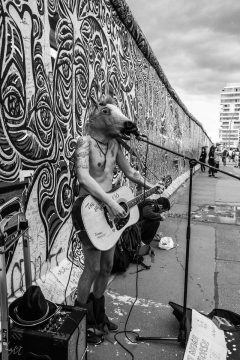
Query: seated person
<point>152,211</point>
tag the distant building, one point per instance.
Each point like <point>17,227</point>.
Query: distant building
<point>229,131</point>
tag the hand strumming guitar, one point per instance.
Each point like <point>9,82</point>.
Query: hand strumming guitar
<point>115,210</point>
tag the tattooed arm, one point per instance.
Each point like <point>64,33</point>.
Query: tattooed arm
<point>82,154</point>
<point>130,172</point>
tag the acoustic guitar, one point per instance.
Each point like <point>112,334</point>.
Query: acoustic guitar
<point>103,230</point>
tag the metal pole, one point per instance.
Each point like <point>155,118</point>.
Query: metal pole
<point>182,335</point>
<point>3,300</point>
<point>26,255</point>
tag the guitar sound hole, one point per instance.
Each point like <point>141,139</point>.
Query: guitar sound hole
<point>120,223</point>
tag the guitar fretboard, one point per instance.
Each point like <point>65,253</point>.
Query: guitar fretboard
<point>141,197</point>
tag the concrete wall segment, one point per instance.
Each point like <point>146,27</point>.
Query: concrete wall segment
<point>55,55</point>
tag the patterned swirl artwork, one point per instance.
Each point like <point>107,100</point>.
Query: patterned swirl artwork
<point>56,56</point>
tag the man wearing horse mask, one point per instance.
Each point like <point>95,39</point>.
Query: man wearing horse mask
<point>95,158</point>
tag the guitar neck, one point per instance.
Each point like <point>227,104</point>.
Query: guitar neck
<point>141,197</point>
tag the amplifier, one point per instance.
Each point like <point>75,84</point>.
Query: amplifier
<point>63,337</point>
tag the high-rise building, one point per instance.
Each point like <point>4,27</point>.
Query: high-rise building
<point>229,131</point>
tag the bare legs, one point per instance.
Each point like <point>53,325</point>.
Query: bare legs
<point>97,269</point>
<point>91,269</point>
<point>106,263</point>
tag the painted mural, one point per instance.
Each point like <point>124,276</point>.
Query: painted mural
<point>57,55</point>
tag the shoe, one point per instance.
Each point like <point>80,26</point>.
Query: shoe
<point>209,175</point>
<point>93,339</point>
<point>111,326</point>
<point>158,237</point>
<point>103,324</point>
<point>106,327</point>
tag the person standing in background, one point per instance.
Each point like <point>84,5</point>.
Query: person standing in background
<point>211,160</point>
<point>202,158</point>
<point>224,156</point>
<point>236,158</point>
<point>217,158</point>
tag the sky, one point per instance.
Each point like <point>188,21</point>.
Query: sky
<point>197,44</point>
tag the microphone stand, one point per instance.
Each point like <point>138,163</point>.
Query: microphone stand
<point>182,336</point>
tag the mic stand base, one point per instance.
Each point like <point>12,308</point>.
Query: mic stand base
<point>152,338</point>
<point>181,339</point>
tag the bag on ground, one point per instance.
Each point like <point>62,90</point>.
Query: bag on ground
<point>121,259</point>
<point>127,249</point>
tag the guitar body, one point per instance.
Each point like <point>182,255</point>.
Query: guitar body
<point>103,231</point>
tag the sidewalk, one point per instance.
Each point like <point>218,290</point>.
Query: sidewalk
<point>214,269</point>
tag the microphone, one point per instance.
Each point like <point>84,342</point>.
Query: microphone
<point>141,135</point>
<point>132,130</point>
<point>137,134</point>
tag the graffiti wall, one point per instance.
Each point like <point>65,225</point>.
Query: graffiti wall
<point>56,55</point>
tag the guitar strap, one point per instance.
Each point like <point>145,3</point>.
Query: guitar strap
<point>76,214</point>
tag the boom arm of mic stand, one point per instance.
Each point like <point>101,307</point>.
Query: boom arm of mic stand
<point>144,139</point>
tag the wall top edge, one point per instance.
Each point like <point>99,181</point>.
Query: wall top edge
<point>125,15</point>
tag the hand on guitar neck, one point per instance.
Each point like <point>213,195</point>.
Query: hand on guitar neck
<point>117,211</point>
<point>161,185</point>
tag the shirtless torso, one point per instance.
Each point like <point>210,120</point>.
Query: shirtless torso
<point>102,160</point>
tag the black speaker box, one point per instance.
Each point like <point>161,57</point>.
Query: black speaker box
<point>63,337</point>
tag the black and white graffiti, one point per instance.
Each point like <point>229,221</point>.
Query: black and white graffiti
<point>56,56</point>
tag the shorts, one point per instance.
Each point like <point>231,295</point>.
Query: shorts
<point>78,223</point>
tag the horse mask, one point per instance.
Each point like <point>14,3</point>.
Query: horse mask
<point>107,117</point>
